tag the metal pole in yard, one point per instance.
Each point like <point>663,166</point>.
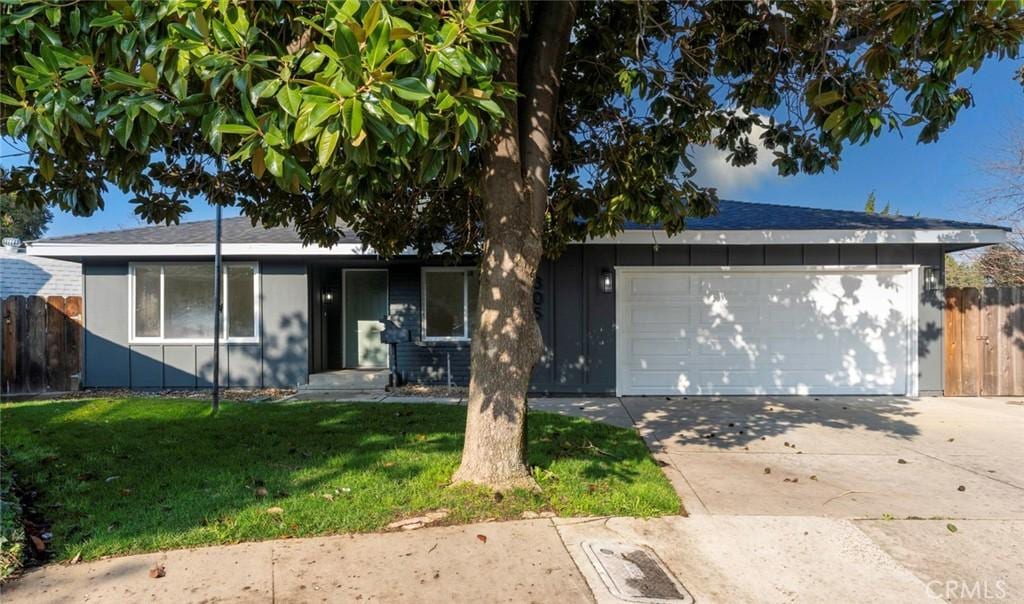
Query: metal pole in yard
<point>217,279</point>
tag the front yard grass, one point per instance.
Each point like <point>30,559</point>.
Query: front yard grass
<point>120,476</point>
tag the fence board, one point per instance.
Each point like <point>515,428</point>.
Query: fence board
<point>970,368</point>
<point>42,343</point>
<point>36,343</point>
<point>1014,327</point>
<point>984,342</point>
<point>988,342</point>
<point>56,378</point>
<point>14,310</point>
<point>953,333</point>
<point>73,333</point>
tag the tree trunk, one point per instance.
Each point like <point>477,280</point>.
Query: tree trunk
<point>506,340</point>
<point>506,345</point>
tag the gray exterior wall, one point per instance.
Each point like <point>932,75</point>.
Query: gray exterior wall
<point>576,319</point>
<point>280,359</point>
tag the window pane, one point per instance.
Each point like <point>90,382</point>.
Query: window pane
<point>474,294</point>
<point>188,301</point>
<point>241,305</point>
<point>147,301</point>
<point>444,299</point>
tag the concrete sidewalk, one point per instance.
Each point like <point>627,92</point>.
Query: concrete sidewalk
<point>521,561</point>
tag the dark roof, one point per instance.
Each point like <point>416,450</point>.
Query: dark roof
<point>732,216</point>
<point>233,230</point>
<point>747,216</point>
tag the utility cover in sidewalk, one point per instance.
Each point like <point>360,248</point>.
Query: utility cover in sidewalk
<point>633,573</point>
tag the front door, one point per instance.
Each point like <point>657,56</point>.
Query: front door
<point>365,293</point>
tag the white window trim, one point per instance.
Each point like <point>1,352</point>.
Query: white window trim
<point>224,339</point>
<point>465,270</point>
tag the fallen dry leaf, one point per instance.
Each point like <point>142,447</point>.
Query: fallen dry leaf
<point>767,470</point>
<point>38,543</point>
<point>76,559</point>
<point>275,510</point>
<point>157,571</point>
<point>482,538</point>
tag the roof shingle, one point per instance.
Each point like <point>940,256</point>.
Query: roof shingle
<point>732,216</point>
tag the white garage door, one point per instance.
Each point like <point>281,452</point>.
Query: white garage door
<point>766,330</point>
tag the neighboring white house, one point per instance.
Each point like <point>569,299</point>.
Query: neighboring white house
<point>24,275</point>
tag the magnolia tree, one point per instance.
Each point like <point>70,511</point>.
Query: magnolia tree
<point>501,129</point>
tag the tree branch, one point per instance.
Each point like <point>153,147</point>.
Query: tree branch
<point>540,74</point>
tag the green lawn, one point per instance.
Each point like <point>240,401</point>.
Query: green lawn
<point>119,476</point>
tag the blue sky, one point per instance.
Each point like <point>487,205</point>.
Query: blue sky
<point>937,180</point>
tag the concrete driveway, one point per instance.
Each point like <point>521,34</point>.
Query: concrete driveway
<point>816,498</point>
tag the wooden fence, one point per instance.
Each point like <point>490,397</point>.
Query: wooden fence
<point>984,341</point>
<point>42,344</point>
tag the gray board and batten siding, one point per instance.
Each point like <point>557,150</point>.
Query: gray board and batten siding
<point>279,359</point>
<point>576,319</point>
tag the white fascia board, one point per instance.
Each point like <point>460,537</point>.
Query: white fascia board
<point>809,236</point>
<point>90,250</point>
<point>767,237</point>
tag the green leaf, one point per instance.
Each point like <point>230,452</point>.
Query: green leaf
<point>422,126</point>
<point>826,98</point>
<point>312,62</point>
<point>116,76</point>
<point>236,129</point>
<point>327,144</point>
<point>264,89</point>
<point>355,123</point>
<point>107,21</point>
<point>259,165</point>
<point>275,162</point>
<point>221,35</point>
<point>185,32</point>
<point>398,112</point>
<point>289,99</point>
<point>410,89</point>
<point>9,100</point>
<point>834,119</point>
<point>148,73</point>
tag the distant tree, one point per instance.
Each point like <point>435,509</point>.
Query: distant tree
<point>872,201</point>
<point>23,221</point>
<point>869,205</point>
<point>1001,266</point>
<point>962,273</point>
<point>1003,201</point>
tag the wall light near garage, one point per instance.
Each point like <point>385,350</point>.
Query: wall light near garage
<point>606,282</point>
<point>932,278</point>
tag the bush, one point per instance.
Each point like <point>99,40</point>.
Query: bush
<point>12,532</point>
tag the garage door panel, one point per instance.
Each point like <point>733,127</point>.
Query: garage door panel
<point>830,331</point>
<point>646,285</point>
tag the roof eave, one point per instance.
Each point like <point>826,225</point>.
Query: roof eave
<point>962,238</point>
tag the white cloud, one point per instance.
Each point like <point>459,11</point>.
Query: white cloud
<point>714,169</point>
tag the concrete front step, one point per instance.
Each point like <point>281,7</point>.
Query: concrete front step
<point>348,379</point>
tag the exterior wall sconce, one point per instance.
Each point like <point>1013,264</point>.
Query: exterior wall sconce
<point>932,278</point>
<point>606,282</point>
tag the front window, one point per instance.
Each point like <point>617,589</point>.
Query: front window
<point>174,302</point>
<point>449,303</point>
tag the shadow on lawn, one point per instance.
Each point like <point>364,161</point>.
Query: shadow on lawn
<point>111,473</point>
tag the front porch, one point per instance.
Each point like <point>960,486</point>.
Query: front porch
<point>350,299</point>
